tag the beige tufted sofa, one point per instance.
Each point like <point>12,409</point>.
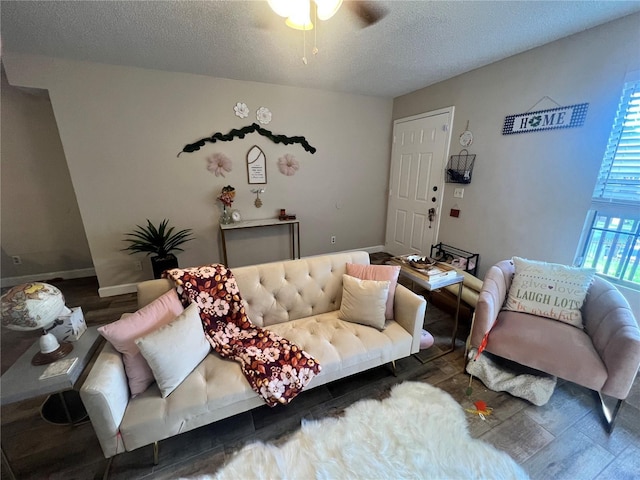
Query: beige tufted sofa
<point>298,299</point>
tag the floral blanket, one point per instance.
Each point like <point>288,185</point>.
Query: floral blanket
<point>276,369</point>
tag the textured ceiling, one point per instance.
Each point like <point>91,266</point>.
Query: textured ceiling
<point>417,44</point>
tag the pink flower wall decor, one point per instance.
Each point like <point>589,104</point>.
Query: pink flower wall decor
<point>288,165</point>
<point>219,163</point>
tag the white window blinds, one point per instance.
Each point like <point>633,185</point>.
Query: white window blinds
<point>619,177</point>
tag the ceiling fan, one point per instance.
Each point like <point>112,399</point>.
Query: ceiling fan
<point>298,12</point>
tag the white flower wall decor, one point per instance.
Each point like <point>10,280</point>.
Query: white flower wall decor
<point>288,165</point>
<point>219,163</point>
<point>241,110</point>
<point>263,115</point>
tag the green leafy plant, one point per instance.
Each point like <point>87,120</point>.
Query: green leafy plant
<point>160,241</point>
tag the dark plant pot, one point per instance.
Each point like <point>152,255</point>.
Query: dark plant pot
<point>161,264</point>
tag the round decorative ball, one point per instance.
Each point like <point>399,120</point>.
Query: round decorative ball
<point>31,306</point>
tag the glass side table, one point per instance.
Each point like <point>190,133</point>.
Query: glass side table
<point>431,284</point>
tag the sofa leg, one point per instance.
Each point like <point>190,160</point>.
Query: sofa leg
<point>155,453</point>
<point>609,415</point>
<point>393,368</point>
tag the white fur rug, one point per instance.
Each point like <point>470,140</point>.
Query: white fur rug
<point>418,432</point>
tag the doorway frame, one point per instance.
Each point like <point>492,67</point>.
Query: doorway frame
<point>449,128</point>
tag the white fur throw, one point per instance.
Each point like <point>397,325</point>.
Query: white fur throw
<point>536,389</point>
<point>419,432</point>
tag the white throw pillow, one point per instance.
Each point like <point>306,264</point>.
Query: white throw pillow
<point>549,290</point>
<point>174,350</point>
<point>364,301</point>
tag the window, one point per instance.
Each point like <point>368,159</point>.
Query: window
<point>612,244</point>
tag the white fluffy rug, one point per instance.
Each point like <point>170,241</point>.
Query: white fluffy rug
<point>418,432</point>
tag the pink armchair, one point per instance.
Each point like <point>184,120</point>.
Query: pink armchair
<point>603,357</point>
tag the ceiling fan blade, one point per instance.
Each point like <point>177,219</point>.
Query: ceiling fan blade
<point>369,13</point>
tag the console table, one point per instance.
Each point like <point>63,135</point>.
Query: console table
<point>294,232</point>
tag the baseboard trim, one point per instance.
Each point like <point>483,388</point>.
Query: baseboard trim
<point>374,249</point>
<point>118,290</point>
<point>43,277</point>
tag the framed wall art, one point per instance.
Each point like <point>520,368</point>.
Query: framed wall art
<point>256,166</point>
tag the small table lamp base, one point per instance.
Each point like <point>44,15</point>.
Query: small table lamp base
<point>44,358</point>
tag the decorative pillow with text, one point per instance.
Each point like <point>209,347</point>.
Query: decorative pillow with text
<point>549,290</point>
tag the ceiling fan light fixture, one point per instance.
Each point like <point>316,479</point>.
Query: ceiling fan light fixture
<point>290,22</point>
<point>327,8</point>
<point>281,7</point>
<point>299,16</point>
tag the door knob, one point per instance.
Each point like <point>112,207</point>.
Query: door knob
<point>431,216</point>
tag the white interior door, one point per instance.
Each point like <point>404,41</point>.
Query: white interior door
<point>416,184</point>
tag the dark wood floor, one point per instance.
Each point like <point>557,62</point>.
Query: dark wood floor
<point>563,439</point>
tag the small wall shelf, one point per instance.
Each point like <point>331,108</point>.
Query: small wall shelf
<point>461,259</point>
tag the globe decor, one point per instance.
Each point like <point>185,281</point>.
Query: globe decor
<point>32,306</point>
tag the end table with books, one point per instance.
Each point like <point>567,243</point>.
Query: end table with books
<point>432,275</point>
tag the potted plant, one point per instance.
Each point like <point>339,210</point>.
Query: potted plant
<point>160,242</point>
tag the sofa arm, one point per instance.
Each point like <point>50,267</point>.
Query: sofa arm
<point>149,290</point>
<point>614,332</point>
<point>490,300</point>
<point>409,309</point>
<point>105,395</point>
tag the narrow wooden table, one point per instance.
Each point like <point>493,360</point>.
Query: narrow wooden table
<point>294,232</point>
<point>430,285</point>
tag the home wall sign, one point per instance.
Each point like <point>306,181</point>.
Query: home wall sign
<point>551,119</point>
<point>240,133</point>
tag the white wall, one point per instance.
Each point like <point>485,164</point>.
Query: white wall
<point>122,127</point>
<point>530,192</point>
<point>40,219</point>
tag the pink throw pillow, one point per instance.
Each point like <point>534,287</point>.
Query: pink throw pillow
<point>123,333</point>
<point>378,272</point>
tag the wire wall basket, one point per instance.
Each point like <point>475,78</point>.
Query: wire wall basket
<point>460,167</point>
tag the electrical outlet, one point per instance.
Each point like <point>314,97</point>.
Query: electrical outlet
<point>458,193</point>
<point>17,260</point>
<point>333,239</point>
<point>138,266</point>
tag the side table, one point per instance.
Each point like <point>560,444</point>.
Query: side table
<point>429,284</point>
<point>63,406</point>
<point>22,380</point>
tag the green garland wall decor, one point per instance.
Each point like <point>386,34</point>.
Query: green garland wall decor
<point>254,127</point>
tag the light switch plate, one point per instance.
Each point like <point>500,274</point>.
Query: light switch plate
<point>458,193</point>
